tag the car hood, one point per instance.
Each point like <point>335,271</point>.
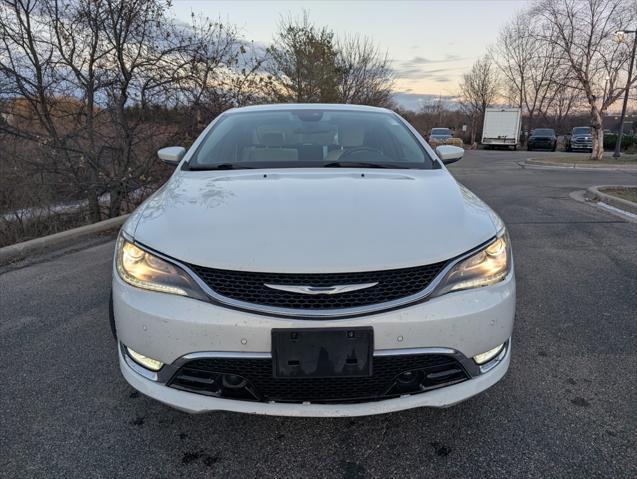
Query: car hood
<point>311,220</point>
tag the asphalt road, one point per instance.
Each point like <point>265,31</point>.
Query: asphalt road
<point>567,407</point>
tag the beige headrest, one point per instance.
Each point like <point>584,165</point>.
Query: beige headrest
<point>351,136</point>
<point>272,138</point>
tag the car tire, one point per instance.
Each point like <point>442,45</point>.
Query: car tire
<point>528,148</point>
<point>111,316</point>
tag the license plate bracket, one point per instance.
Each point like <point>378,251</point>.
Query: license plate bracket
<point>322,352</point>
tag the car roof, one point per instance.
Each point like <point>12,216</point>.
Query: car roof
<point>309,106</point>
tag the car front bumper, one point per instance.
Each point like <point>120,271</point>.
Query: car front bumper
<point>548,144</point>
<point>169,328</point>
<point>582,146</point>
<point>197,403</point>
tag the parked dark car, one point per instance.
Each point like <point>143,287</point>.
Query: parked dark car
<point>440,135</point>
<point>581,138</point>
<point>542,138</point>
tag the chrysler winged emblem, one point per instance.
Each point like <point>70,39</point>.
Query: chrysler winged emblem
<point>341,288</point>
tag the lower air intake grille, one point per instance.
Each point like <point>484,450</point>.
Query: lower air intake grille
<point>392,376</point>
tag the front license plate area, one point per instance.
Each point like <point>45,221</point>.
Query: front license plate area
<point>322,352</point>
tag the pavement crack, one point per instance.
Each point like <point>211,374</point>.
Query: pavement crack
<point>383,436</point>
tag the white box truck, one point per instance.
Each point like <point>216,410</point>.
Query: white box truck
<point>501,127</point>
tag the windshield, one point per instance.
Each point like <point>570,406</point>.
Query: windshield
<point>309,138</point>
<point>543,132</point>
<point>441,131</point>
<point>582,130</point>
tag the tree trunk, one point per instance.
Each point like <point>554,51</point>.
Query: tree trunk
<point>116,201</point>
<point>598,134</point>
<point>93,206</point>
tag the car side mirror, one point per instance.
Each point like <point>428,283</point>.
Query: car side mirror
<point>449,154</point>
<point>171,155</point>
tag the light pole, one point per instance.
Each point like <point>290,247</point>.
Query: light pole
<point>621,35</point>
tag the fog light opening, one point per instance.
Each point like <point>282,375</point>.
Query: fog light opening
<point>144,361</point>
<point>488,355</point>
<point>409,378</point>
<point>232,381</point>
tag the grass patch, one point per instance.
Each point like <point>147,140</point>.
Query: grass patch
<point>584,159</point>
<point>623,192</point>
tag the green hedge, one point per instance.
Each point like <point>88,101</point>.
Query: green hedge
<point>628,141</point>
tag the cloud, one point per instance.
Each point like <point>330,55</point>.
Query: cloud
<point>418,60</point>
<point>415,101</point>
<point>453,58</point>
<point>414,73</point>
<point>419,68</point>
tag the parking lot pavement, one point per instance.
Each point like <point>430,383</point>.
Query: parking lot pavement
<point>567,407</point>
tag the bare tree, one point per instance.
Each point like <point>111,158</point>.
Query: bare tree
<point>219,71</point>
<point>582,32</point>
<point>364,72</point>
<point>567,102</point>
<point>76,68</point>
<point>303,62</point>
<point>531,64</point>
<point>479,89</point>
<point>308,64</point>
<point>39,91</point>
<point>87,83</point>
<point>76,38</point>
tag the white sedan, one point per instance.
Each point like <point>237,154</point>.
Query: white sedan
<point>312,260</point>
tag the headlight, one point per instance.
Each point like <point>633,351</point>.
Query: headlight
<point>486,267</point>
<point>144,270</point>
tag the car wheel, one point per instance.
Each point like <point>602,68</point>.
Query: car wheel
<point>111,316</point>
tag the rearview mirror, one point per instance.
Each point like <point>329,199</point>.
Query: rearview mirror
<point>171,155</point>
<point>449,154</point>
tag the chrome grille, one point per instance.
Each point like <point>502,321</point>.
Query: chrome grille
<point>250,287</point>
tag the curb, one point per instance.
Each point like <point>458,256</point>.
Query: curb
<point>17,251</point>
<point>619,203</point>
<point>540,165</point>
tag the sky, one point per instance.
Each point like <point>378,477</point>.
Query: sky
<point>431,42</point>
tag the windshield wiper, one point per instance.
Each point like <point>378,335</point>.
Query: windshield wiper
<point>357,164</point>
<point>221,166</point>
